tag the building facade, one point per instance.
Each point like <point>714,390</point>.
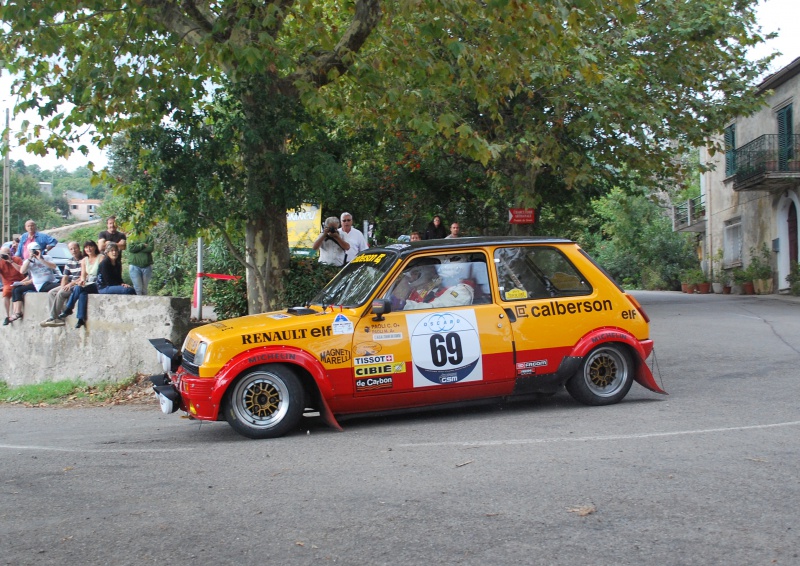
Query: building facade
<point>83,209</point>
<point>751,195</point>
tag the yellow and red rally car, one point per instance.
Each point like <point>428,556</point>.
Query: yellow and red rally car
<point>420,324</point>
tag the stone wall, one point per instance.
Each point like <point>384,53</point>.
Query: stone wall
<point>113,345</point>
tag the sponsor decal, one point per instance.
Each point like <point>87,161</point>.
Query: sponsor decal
<point>221,326</point>
<point>380,369</point>
<point>367,348</point>
<point>279,316</point>
<point>388,336</point>
<point>525,372</point>
<point>445,348</point>
<point>368,258</point>
<point>516,294</point>
<point>342,325</point>
<point>536,364</point>
<point>554,308</point>
<point>365,360</point>
<point>605,336</point>
<point>519,310</point>
<point>374,383</point>
<point>270,357</point>
<point>284,335</point>
<point>335,356</point>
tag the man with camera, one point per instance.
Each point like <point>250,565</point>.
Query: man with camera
<point>42,275</point>
<point>11,272</point>
<point>30,237</point>
<point>332,247</point>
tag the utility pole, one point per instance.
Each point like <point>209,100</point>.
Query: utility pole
<point>6,224</point>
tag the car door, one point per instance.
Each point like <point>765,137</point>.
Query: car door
<point>443,351</point>
<point>550,303</point>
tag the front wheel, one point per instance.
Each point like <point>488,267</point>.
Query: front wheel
<point>604,378</point>
<point>265,402</point>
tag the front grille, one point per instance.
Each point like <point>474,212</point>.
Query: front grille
<point>188,356</point>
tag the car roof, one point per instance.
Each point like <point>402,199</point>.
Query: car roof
<point>452,244</point>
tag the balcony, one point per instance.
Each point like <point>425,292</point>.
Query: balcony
<point>689,216</point>
<point>770,162</point>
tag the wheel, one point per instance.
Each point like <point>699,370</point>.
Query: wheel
<point>265,402</point>
<point>604,378</point>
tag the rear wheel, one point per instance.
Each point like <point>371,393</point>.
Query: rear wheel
<point>265,402</point>
<point>604,378</point>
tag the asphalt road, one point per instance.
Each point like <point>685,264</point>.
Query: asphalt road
<point>707,475</point>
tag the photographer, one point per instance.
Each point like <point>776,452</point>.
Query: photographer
<point>332,247</point>
<point>11,272</point>
<point>42,275</point>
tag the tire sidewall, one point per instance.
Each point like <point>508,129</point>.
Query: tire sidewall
<point>294,396</point>
<point>580,390</point>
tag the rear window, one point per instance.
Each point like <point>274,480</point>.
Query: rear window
<point>537,272</point>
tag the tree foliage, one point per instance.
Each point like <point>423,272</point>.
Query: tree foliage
<point>543,95</point>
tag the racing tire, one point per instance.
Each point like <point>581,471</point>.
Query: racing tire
<point>265,402</point>
<point>604,378</point>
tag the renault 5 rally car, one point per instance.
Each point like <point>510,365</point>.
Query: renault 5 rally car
<point>419,324</point>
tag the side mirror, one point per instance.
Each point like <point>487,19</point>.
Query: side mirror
<point>380,307</point>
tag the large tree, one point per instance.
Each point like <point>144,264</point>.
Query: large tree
<point>570,88</point>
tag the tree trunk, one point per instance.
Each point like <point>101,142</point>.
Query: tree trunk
<point>268,259</point>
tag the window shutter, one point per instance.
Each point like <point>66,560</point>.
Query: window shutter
<point>730,150</point>
<point>785,137</point>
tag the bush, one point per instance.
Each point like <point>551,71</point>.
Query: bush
<point>794,278</point>
<point>760,266</point>
<point>305,278</point>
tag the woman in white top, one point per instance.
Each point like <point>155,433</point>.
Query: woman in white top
<point>87,284</point>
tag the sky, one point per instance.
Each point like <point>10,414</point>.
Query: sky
<point>781,16</point>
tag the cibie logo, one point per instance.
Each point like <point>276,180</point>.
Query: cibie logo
<point>445,348</point>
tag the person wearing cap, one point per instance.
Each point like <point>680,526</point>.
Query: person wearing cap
<point>45,241</point>
<point>42,273</point>
<point>11,272</point>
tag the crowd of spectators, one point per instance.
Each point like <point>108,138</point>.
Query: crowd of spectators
<point>94,268</point>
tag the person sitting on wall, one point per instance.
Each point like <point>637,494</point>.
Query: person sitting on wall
<point>58,296</point>
<point>87,284</point>
<point>11,272</point>
<point>43,278</point>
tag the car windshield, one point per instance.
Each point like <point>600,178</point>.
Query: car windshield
<point>59,252</point>
<point>354,284</point>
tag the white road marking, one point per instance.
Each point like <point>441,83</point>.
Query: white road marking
<point>91,450</point>
<point>597,438</point>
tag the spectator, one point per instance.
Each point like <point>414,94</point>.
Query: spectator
<point>140,262</point>
<point>58,296</point>
<point>12,245</point>
<point>332,247</point>
<point>43,278</point>
<point>453,231</point>
<point>435,229</point>
<point>31,236</point>
<point>87,284</point>
<point>415,236</point>
<point>11,272</point>
<point>112,234</point>
<point>352,236</point>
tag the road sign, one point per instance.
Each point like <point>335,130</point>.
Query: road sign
<point>521,215</point>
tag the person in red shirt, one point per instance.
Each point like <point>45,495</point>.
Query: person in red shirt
<point>10,271</point>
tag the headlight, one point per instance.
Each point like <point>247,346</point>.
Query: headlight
<point>200,354</point>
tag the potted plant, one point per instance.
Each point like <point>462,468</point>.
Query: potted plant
<point>760,269</point>
<point>793,279</point>
<point>740,277</point>
<point>717,274</point>
<point>694,278</point>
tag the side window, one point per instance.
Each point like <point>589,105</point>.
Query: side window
<point>537,272</point>
<point>441,281</point>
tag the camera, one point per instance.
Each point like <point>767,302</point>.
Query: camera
<point>332,230</point>
<point>35,252</point>
<point>4,256</point>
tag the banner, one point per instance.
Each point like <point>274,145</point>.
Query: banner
<point>304,226</point>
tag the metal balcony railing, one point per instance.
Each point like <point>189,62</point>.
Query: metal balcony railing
<point>688,213</point>
<point>771,153</point>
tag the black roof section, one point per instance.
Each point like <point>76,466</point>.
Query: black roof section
<point>453,244</point>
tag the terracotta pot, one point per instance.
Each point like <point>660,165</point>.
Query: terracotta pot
<point>703,288</point>
<point>691,288</point>
<point>726,289</point>
<point>684,287</point>
<point>747,288</point>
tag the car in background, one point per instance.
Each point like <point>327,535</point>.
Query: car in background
<point>419,324</point>
<point>60,255</point>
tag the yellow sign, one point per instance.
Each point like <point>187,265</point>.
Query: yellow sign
<point>303,227</point>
